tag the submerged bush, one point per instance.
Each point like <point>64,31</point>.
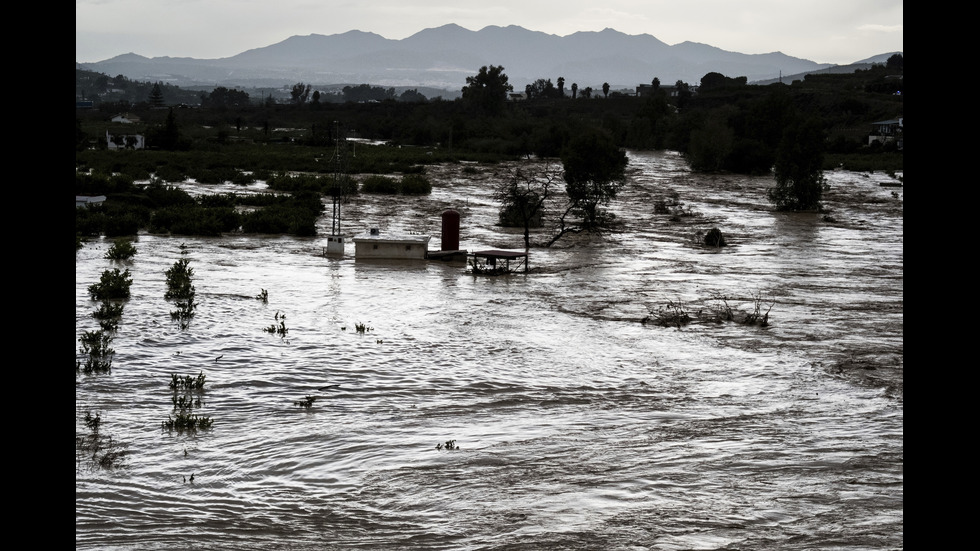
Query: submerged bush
<point>113,285</point>
<point>96,345</point>
<point>380,184</point>
<point>121,249</point>
<point>714,238</point>
<point>416,184</point>
<point>179,284</point>
<point>413,183</point>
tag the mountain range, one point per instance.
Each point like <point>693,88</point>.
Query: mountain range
<point>443,57</point>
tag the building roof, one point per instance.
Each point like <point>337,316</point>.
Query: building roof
<point>391,238</point>
<point>498,253</point>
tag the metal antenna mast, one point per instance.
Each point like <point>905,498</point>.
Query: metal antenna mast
<point>335,244</point>
<point>340,176</point>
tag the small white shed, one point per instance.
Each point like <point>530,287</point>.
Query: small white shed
<point>374,245</point>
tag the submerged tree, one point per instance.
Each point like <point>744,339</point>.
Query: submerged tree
<point>594,172</point>
<point>798,168</point>
<point>523,193</point>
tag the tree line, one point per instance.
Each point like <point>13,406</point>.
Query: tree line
<point>723,124</point>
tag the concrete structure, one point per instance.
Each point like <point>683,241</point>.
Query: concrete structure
<point>335,245</point>
<point>374,245</point>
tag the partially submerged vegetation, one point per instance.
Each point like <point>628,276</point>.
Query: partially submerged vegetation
<point>180,290</point>
<point>100,450</point>
<point>675,314</point>
<point>725,124</point>
<point>186,395</point>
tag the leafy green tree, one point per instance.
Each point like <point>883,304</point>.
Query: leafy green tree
<point>81,138</point>
<point>167,137</point>
<point>366,93</point>
<point>561,87</point>
<point>896,61</point>
<point>712,80</point>
<point>222,97</point>
<point>522,195</point>
<point>300,93</point>
<point>156,96</point>
<point>712,143</point>
<point>487,91</point>
<point>684,93</point>
<point>605,89</point>
<point>798,168</point>
<point>574,90</point>
<point>412,96</point>
<point>715,81</point>
<point>594,172</point>
<point>541,88</point>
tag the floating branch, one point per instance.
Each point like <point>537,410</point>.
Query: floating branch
<point>306,402</point>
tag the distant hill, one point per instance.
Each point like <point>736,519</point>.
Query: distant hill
<point>862,65</point>
<point>443,57</point>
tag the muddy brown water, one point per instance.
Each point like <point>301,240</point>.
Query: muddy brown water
<point>580,422</point>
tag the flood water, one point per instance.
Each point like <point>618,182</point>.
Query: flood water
<point>578,425</point>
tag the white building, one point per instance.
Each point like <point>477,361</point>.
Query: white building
<point>373,245</point>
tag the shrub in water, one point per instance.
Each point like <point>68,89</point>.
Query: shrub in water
<point>96,345</point>
<point>179,281</point>
<point>380,184</point>
<point>416,184</point>
<point>714,238</point>
<point>112,285</point>
<point>122,249</point>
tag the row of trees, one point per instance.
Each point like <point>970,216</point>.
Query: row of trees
<point>726,126</point>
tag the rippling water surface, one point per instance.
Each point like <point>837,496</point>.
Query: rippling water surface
<point>578,425</point>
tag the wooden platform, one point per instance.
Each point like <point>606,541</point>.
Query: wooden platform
<point>497,261</point>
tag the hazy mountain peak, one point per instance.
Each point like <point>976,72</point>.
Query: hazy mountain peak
<point>444,56</point>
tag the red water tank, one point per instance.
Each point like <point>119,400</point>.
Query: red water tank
<point>450,230</point>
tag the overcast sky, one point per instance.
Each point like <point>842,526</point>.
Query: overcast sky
<point>825,31</point>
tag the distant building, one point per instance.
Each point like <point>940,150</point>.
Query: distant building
<point>125,118</point>
<point>375,246</point>
<point>84,201</point>
<point>890,131</point>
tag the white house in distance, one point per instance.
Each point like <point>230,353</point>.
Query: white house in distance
<point>125,118</point>
<point>84,201</point>
<point>888,131</point>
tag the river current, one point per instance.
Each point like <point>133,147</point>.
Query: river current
<point>546,410</point>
